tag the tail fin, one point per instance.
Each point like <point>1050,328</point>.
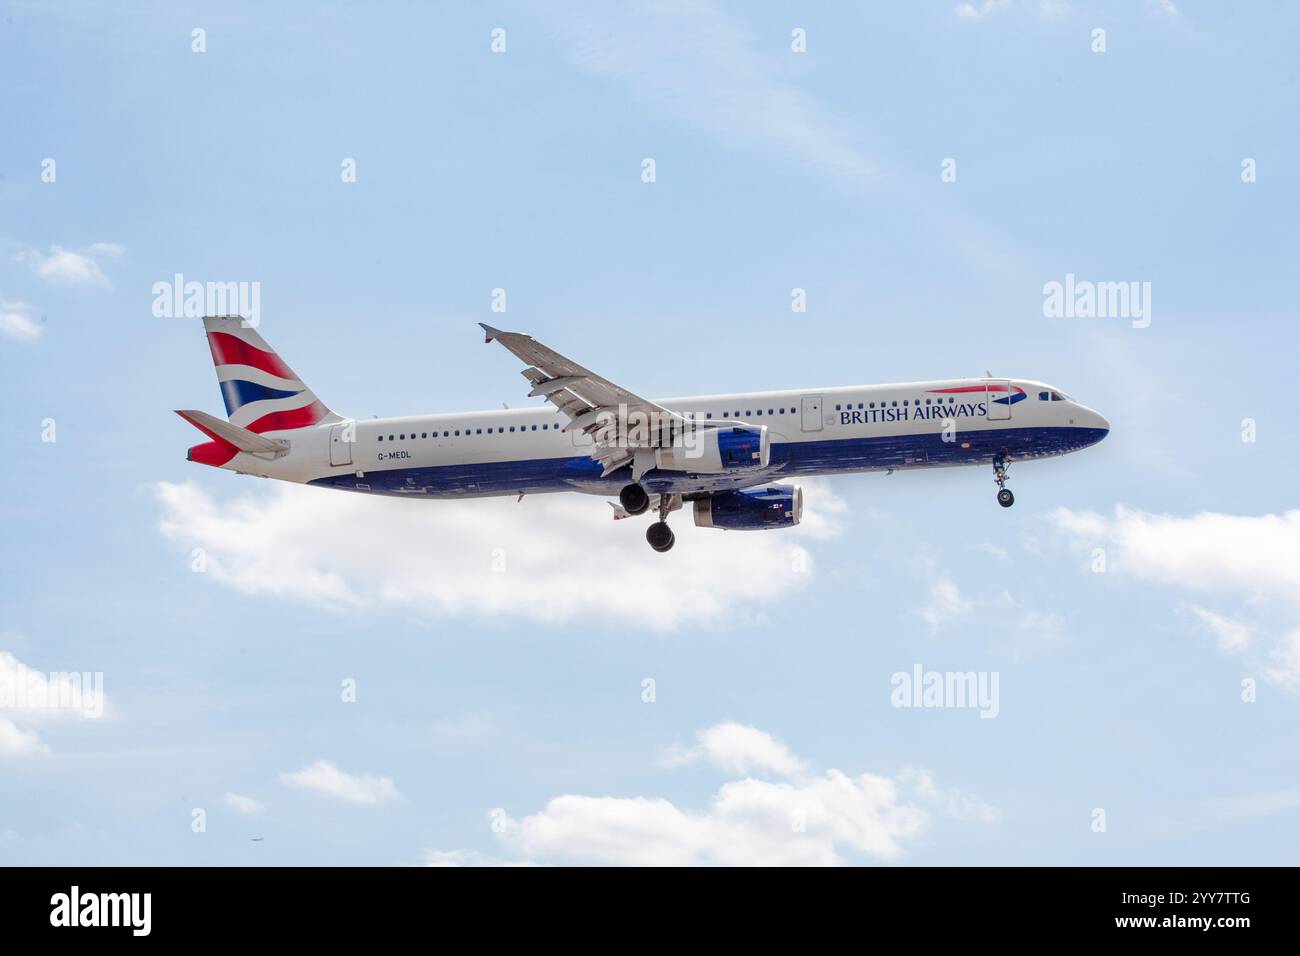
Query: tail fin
<point>261,392</point>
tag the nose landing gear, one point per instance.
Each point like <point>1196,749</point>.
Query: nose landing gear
<point>1005,498</point>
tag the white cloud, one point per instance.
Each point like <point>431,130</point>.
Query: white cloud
<point>692,61</point>
<point>960,805</point>
<point>325,778</point>
<point>450,858</point>
<point>14,741</point>
<point>559,556</point>
<point>695,62</point>
<point>1231,634</point>
<point>1283,665</point>
<point>16,323</point>
<point>969,11</point>
<point>946,603</point>
<point>1248,557</point>
<point>1042,627</point>
<point>242,804</point>
<point>31,695</point>
<point>1044,8</point>
<point>991,549</point>
<point>740,749</point>
<point>1254,556</point>
<point>62,266</point>
<point>800,819</point>
<point>453,858</point>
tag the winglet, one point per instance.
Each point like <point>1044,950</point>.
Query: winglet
<point>488,331</point>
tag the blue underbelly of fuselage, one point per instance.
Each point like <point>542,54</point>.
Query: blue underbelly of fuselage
<point>788,459</point>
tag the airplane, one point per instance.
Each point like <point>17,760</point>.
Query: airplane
<point>722,454</point>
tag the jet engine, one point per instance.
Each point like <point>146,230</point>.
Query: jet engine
<point>716,449</point>
<point>754,509</point>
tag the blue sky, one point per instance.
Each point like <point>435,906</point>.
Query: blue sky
<point>499,714</point>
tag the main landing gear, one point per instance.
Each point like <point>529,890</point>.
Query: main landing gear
<point>659,535</point>
<point>635,501</point>
<point>1005,498</point>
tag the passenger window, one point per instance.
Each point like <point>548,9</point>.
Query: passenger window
<point>381,437</point>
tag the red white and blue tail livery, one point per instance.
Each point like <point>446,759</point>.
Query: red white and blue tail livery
<point>725,455</point>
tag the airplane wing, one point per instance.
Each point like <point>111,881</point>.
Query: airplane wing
<point>590,402</point>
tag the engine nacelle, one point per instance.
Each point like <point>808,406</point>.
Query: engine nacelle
<point>755,509</point>
<point>717,449</point>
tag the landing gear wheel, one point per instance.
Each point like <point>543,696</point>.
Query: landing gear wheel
<point>1005,498</point>
<point>634,499</point>
<point>660,536</point>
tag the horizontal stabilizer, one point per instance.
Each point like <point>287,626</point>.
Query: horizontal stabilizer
<point>222,431</point>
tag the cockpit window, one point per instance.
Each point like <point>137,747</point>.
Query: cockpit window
<point>1058,397</point>
<point>1043,396</point>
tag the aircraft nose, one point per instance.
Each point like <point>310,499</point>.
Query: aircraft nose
<point>1096,420</point>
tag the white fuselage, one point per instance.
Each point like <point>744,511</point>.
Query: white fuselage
<point>812,432</point>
